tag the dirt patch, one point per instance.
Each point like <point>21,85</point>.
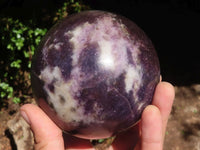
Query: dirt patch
<point>183,130</point>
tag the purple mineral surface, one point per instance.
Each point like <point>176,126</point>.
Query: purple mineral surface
<point>94,73</point>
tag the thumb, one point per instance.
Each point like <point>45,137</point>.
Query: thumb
<point>47,135</point>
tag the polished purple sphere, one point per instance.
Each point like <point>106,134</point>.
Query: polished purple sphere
<point>94,73</point>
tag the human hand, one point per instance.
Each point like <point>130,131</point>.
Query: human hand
<point>148,134</point>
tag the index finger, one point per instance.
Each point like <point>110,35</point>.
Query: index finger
<point>163,99</point>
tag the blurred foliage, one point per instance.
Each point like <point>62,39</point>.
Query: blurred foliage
<point>70,7</point>
<point>19,40</point>
<point>18,43</point>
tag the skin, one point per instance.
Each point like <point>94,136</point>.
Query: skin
<point>148,134</point>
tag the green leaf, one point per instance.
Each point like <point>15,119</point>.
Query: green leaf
<point>18,36</point>
<point>26,54</point>
<point>13,39</point>
<point>10,95</point>
<point>29,64</point>
<point>37,40</point>
<point>4,85</point>
<point>16,100</point>
<point>10,46</point>
<point>5,75</point>
<point>19,31</point>
<point>39,31</point>
<point>16,64</point>
<point>7,90</point>
<point>3,94</point>
<point>20,43</point>
<point>32,48</point>
<point>101,140</point>
<point>30,32</point>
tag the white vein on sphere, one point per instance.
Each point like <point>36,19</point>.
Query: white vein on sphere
<point>62,88</point>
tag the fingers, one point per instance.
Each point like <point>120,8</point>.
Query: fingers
<point>163,99</point>
<point>151,129</point>
<point>153,122</point>
<point>127,139</point>
<point>47,135</point>
<point>74,143</point>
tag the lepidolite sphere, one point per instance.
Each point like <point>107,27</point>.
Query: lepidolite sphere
<point>94,73</point>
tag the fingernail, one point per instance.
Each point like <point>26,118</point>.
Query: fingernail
<point>24,115</point>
